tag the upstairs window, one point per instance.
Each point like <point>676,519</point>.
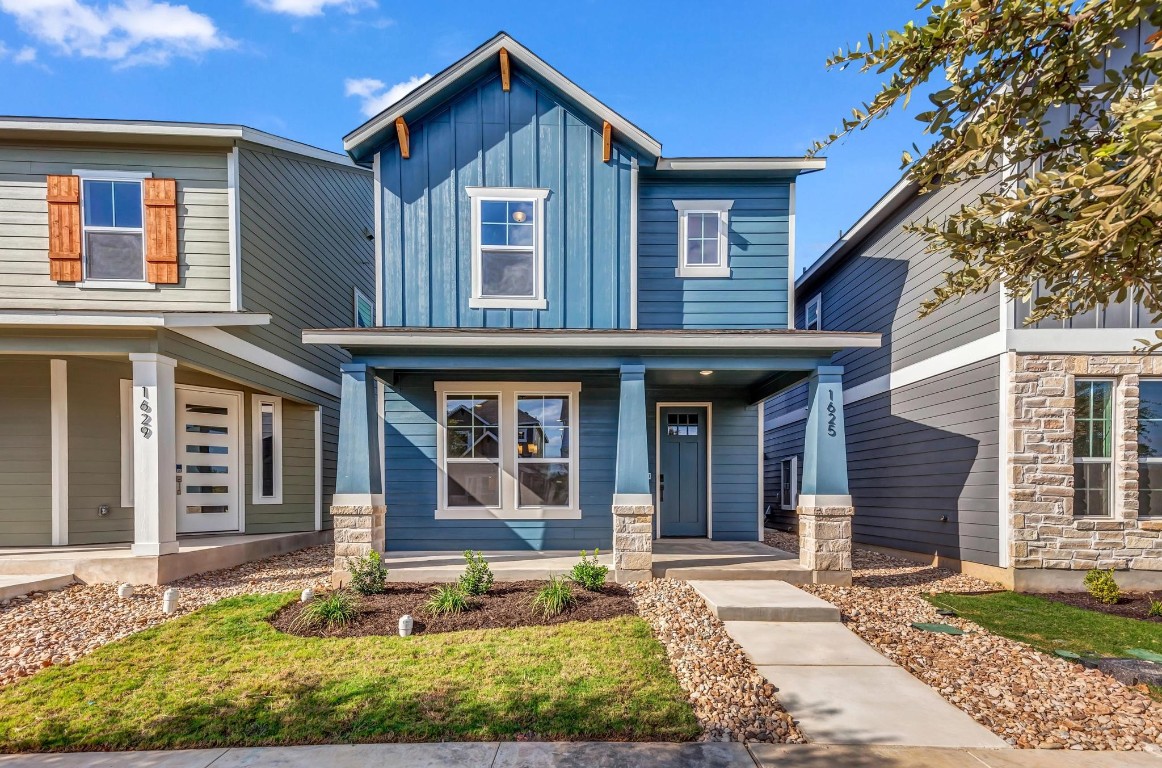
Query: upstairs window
<point>703,238</point>
<point>364,310</point>
<point>508,248</point>
<point>1092,446</point>
<point>112,220</point>
<point>813,314</point>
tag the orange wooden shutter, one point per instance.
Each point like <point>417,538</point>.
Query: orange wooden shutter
<point>161,230</point>
<point>64,228</point>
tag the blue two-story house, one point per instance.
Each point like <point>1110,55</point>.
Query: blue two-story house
<point>574,333</point>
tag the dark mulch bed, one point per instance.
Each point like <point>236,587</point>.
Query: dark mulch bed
<point>1132,605</point>
<point>507,604</point>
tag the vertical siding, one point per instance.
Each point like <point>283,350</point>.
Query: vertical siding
<point>755,294</point>
<point>25,452</point>
<point>95,452</point>
<point>524,138</point>
<point>203,229</point>
<point>304,252</point>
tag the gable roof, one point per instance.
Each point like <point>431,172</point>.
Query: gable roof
<point>362,142</point>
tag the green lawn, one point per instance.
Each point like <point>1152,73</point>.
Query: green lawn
<point>1048,626</point>
<point>223,676</point>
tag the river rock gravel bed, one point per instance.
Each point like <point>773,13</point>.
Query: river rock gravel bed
<point>47,628</point>
<point>1028,698</point>
<point>731,700</point>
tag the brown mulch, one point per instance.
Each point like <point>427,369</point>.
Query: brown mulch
<point>1131,605</point>
<point>508,604</point>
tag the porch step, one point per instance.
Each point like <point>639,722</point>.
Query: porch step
<point>763,600</point>
<point>15,586</point>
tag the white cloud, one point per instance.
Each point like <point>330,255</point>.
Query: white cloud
<point>25,55</point>
<point>129,31</point>
<point>376,95</point>
<point>312,7</point>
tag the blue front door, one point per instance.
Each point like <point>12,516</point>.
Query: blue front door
<point>682,471</point>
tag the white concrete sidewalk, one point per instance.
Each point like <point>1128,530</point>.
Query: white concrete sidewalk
<point>838,688</point>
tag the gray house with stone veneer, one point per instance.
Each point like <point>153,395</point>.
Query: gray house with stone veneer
<point>155,279</point>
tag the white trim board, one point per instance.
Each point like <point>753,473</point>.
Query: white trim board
<point>83,318</point>
<point>232,345</point>
<point>1107,341</point>
<point>59,429</point>
<point>257,401</point>
<point>318,421</point>
<point>709,406</point>
<point>234,222</point>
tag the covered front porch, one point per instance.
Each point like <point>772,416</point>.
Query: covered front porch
<point>534,442</point>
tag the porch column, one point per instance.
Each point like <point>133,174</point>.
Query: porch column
<point>357,508</point>
<point>633,505</point>
<point>824,507</point>
<point>154,415</point>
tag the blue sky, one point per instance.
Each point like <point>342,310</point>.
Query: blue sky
<point>737,78</point>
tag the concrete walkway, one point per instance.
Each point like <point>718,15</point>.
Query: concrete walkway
<point>838,688</point>
<point>589,755</point>
<point>22,584</point>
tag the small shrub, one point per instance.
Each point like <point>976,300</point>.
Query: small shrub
<point>554,598</point>
<point>1101,585</point>
<point>589,573</point>
<point>337,609</point>
<point>1155,608</point>
<point>447,599</point>
<point>368,574</point>
<point>477,577</point>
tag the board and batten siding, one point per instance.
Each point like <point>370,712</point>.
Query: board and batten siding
<point>25,452</point>
<point>203,229</point>
<point>303,226</point>
<point>755,294</point>
<point>879,288</point>
<point>527,137</point>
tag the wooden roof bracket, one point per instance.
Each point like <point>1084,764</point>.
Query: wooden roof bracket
<point>606,141</point>
<point>505,72</point>
<point>401,132</point>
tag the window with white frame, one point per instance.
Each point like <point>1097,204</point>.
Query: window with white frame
<point>703,238</point>
<point>788,482</point>
<point>508,247</point>
<point>364,310</point>
<point>266,429</point>
<point>1092,446</point>
<point>1149,447</point>
<point>507,450</point>
<point>813,314</point>
<point>112,220</point>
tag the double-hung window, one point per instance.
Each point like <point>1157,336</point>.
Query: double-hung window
<point>1149,447</point>
<point>113,239</point>
<point>703,238</point>
<point>1092,446</point>
<point>508,247</point>
<point>507,450</point>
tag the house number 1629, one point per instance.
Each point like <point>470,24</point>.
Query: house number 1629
<point>145,410</point>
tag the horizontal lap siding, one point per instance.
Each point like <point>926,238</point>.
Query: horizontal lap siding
<point>25,452</point>
<point>410,456</point>
<point>297,510</point>
<point>755,294</point>
<point>203,229</point>
<point>780,442</point>
<point>524,138</point>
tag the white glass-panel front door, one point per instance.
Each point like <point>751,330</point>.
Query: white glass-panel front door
<point>209,468</point>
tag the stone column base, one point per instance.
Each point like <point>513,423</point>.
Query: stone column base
<point>825,540</point>
<point>633,542</point>
<point>358,531</point>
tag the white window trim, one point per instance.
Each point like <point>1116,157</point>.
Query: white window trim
<point>537,197</point>
<point>794,483</point>
<point>508,392</point>
<point>256,403</point>
<point>722,208</point>
<point>1111,460</point>
<point>816,301</point>
<point>121,285</point>
<point>355,297</point>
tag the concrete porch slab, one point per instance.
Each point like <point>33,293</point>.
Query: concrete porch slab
<point>763,600</point>
<point>819,643</point>
<point>705,560</point>
<point>873,705</point>
<point>507,565</point>
<point>15,586</point>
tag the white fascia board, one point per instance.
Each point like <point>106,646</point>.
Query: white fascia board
<point>800,164</point>
<point>226,342</point>
<point>490,50</point>
<point>84,318</point>
<point>801,340</point>
<point>1101,341</point>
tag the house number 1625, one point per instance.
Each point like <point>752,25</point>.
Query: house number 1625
<point>145,410</point>
<point>831,413</point>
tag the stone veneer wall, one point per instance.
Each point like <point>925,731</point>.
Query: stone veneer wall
<point>633,542</point>
<point>1044,532</point>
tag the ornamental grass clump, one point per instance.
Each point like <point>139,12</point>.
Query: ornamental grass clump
<point>446,600</point>
<point>477,577</point>
<point>368,574</point>
<point>1102,587</point>
<point>338,609</point>
<point>589,573</point>
<point>1155,609</point>
<point>554,598</point>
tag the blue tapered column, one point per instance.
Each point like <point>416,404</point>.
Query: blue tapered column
<point>633,504</point>
<point>824,507</point>
<point>357,508</point>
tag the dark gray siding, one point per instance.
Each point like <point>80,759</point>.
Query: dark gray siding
<point>780,442</point>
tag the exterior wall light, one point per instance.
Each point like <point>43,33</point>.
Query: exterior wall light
<point>705,373</point>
